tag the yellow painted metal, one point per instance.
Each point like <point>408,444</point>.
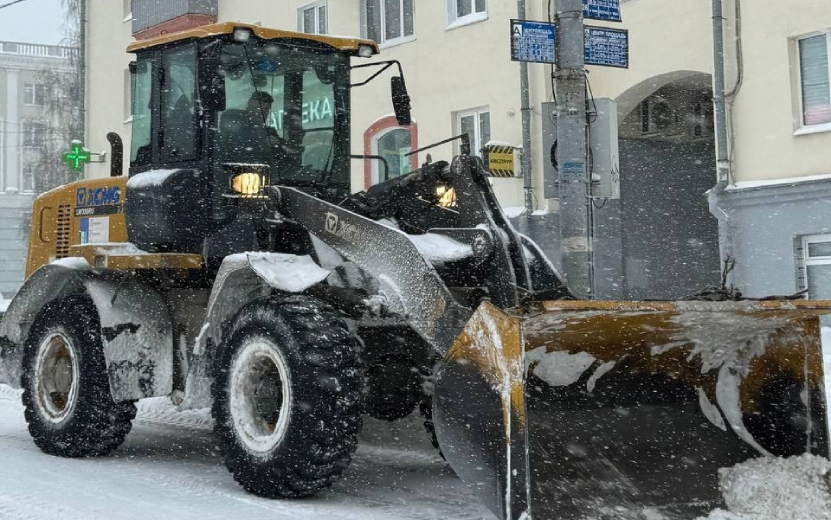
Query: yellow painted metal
<point>56,227</point>
<point>218,29</point>
<point>492,341</point>
<point>112,256</point>
<point>655,337</point>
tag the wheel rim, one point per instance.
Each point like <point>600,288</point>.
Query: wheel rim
<point>57,377</point>
<point>260,395</point>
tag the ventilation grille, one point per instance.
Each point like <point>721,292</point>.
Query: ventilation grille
<point>64,230</point>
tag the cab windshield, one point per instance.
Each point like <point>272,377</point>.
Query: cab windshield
<point>286,108</point>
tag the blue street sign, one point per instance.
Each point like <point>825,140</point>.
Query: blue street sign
<point>608,10</point>
<point>533,42</point>
<point>607,47</point>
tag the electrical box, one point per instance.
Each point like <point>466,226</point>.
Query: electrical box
<point>603,157</point>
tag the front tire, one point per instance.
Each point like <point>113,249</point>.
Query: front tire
<point>66,390</point>
<point>287,397</point>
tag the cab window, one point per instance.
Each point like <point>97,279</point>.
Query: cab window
<point>178,105</point>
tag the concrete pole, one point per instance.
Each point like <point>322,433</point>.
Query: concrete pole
<point>525,92</point>
<point>570,78</point>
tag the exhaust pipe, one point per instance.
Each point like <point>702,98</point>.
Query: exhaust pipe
<point>117,152</point>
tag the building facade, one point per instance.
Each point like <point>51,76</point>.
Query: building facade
<point>24,127</point>
<point>662,238</point>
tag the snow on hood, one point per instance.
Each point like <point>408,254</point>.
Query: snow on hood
<point>798,488</point>
<point>290,273</point>
<point>149,178</point>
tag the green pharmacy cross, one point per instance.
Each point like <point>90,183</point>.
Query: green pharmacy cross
<point>77,156</point>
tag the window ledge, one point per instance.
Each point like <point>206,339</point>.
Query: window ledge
<point>128,120</point>
<point>814,129</point>
<point>398,41</point>
<point>467,20</point>
<point>128,18</point>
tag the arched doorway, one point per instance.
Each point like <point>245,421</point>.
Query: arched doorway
<point>669,239</point>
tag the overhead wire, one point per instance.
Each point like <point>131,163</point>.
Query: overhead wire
<point>11,3</point>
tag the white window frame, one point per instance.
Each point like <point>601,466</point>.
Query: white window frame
<point>32,128</point>
<point>35,87</point>
<point>454,20</point>
<point>316,7</point>
<point>816,260</point>
<point>475,145</point>
<point>384,43</point>
<point>821,127</point>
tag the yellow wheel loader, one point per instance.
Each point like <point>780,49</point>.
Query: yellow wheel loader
<point>233,268</point>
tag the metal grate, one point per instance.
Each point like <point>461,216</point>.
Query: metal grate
<point>64,230</point>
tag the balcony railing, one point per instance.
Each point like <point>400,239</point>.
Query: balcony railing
<point>150,13</point>
<point>37,50</point>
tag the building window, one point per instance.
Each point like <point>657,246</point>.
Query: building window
<point>33,94</point>
<point>28,182</point>
<point>388,21</point>
<point>463,12</point>
<point>815,79</point>
<point>477,125</point>
<point>33,134</point>
<point>311,18</point>
<point>817,255</point>
<point>392,142</point>
<point>393,145</point>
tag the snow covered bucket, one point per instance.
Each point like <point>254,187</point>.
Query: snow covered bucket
<point>584,409</point>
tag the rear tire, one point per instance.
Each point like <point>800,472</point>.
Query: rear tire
<point>287,397</point>
<point>66,390</point>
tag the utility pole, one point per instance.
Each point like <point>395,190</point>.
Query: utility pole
<point>573,183</point>
<point>527,176</point>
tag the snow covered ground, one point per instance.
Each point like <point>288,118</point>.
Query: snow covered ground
<point>170,469</point>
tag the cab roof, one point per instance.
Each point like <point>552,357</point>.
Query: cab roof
<point>218,29</point>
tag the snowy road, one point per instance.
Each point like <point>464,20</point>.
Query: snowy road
<point>169,469</point>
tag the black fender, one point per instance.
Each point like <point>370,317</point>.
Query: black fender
<point>136,329</point>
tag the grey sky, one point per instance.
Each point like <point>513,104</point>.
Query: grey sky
<point>32,21</point>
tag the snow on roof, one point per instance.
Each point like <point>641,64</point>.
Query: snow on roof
<point>744,185</point>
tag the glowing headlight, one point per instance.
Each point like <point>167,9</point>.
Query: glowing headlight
<point>447,196</point>
<point>247,184</point>
<point>242,34</point>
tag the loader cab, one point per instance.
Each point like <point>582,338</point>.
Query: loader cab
<point>224,110</point>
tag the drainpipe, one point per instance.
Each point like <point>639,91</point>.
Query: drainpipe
<point>82,66</point>
<point>527,176</point>
<point>722,153</point>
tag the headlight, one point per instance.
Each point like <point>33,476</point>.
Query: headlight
<point>247,184</point>
<point>242,35</point>
<point>447,196</point>
<point>366,51</point>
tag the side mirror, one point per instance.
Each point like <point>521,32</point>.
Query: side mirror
<point>401,101</point>
<point>212,85</point>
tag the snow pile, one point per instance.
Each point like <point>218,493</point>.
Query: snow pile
<point>149,178</point>
<point>439,249</point>
<point>290,273</point>
<point>767,488</point>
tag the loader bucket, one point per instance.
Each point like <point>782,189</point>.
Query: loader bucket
<point>584,409</point>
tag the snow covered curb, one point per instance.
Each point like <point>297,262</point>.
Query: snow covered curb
<point>767,488</point>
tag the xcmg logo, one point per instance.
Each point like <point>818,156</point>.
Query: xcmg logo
<point>98,196</point>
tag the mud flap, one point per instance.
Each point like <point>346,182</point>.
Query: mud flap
<point>622,409</point>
